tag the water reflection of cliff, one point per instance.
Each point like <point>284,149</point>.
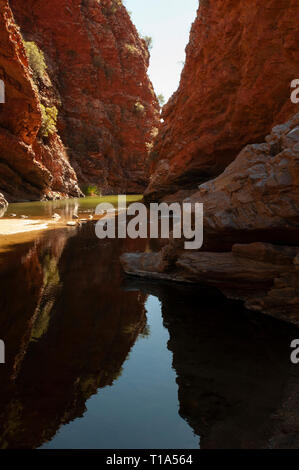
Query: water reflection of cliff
<point>237,386</point>
<point>68,327</point>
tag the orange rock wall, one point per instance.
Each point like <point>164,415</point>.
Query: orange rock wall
<point>108,112</point>
<point>29,169</point>
<point>235,86</point>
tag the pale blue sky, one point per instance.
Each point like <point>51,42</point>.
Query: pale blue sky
<point>168,22</point>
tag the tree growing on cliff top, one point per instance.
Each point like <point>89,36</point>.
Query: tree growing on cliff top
<point>161,99</point>
<point>148,41</point>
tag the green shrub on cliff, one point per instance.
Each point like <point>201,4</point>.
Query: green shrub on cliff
<point>49,120</point>
<point>36,60</point>
<point>91,190</point>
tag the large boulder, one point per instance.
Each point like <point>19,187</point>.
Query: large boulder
<point>257,197</point>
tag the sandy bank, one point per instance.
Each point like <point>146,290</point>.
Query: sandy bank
<point>18,231</point>
<point>15,226</point>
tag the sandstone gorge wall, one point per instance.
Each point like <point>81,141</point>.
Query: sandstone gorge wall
<point>95,76</point>
<point>215,148</point>
<point>29,167</point>
<point>235,86</point>
<point>108,112</point>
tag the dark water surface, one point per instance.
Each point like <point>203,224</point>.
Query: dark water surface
<point>95,360</point>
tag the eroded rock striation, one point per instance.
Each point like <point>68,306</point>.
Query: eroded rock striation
<point>251,227</point>
<point>30,167</point>
<point>235,87</point>
<point>108,113</point>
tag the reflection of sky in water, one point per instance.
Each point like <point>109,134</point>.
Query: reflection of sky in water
<point>141,409</point>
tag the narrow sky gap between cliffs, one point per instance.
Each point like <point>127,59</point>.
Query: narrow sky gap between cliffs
<point>168,22</point>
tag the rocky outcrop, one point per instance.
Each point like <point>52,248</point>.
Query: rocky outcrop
<point>108,112</point>
<point>264,276</point>
<point>30,167</point>
<point>235,86</point>
<point>257,196</point>
<point>251,227</point>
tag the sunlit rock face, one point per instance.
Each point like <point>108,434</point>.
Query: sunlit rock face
<point>241,59</point>
<point>108,112</point>
<point>30,167</point>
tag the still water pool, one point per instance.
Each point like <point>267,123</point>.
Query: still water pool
<point>64,207</point>
<point>98,360</point>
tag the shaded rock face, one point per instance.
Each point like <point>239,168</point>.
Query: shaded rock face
<point>30,168</point>
<point>108,112</point>
<point>235,86</point>
<point>251,227</point>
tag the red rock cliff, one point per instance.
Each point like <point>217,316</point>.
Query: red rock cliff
<point>30,168</point>
<point>235,86</point>
<point>108,112</point>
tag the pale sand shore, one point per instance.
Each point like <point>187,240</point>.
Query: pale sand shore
<point>18,231</point>
<point>15,226</point>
